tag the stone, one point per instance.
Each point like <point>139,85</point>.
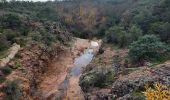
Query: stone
<point>93,44</point>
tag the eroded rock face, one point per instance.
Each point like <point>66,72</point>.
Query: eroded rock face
<point>34,62</point>
<point>137,80</point>
<point>43,69</point>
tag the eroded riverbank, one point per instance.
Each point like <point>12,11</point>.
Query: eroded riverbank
<point>58,81</point>
<point>58,69</point>
<point>72,88</point>
<point>42,74</point>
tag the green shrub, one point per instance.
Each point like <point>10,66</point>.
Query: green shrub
<point>12,90</point>
<point>10,34</point>
<point>36,36</point>
<point>11,21</point>
<point>148,47</point>
<point>47,13</point>
<point>24,30</point>
<point>18,65</point>
<point>4,44</point>
<point>122,37</point>
<point>2,79</point>
<point>6,70</point>
<point>135,32</point>
<point>98,77</point>
<point>18,56</point>
<point>162,29</point>
<point>137,96</point>
<point>116,35</point>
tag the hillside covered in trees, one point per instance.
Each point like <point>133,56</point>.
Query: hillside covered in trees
<point>135,37</point>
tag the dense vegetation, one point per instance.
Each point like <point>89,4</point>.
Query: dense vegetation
<point>147,48</point>
<point>141,26</point>
<point>119,21</point>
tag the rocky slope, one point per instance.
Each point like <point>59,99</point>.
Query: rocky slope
<point>131,86</point>
<point>41,72</point>
<point>110,76</point>
<point>136,81</point>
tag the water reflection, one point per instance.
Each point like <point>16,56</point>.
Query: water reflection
<point>81,62</point>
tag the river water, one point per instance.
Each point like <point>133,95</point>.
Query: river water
<point>79,63</point>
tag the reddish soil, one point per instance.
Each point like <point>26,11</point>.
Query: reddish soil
<point>59,68</point>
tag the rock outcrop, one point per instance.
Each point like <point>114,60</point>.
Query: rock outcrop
<point>13,51</point>
<point>136,81</point>
<point>126,87</point>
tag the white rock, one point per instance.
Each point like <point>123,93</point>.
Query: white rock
<point>13,51</point>
<point>93,44</point>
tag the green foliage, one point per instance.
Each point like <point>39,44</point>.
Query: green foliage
<point>10,35</point>
<point>2,79</point>
<point>18,56</point>
<point>36,36</point>
<point>17,65</point>
<point>162,29</point>
<point>11,21</point>
<point>48,14</point>
<point>123,21</point>
<point>143,19</point>
<point>137,96</point>
<point>146,48</point>
<point>12,90</point>
<point>6,70</point>
<point>135,32</point>
<point>122,37</point>
<point>100,77</point>
<point>4,43</point>
<point>24,30</point>
<point>116,35</point>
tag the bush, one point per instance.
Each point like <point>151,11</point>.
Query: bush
<point>6,70</point>
<point>12,90</point>
<point>2,79</point>
<point>135,32</point>
<point>10,35</point>
<point>121,36</point>
<point>11,21</point>
<point>48,14</point>
<point>4,44</point>
<point>147,48</point>
<point>116,35</point>
<point>98,77</point>
<point>17,65</point>
<point>162,29</point>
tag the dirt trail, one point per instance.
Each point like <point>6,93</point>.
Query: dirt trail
<point>59,68</point>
